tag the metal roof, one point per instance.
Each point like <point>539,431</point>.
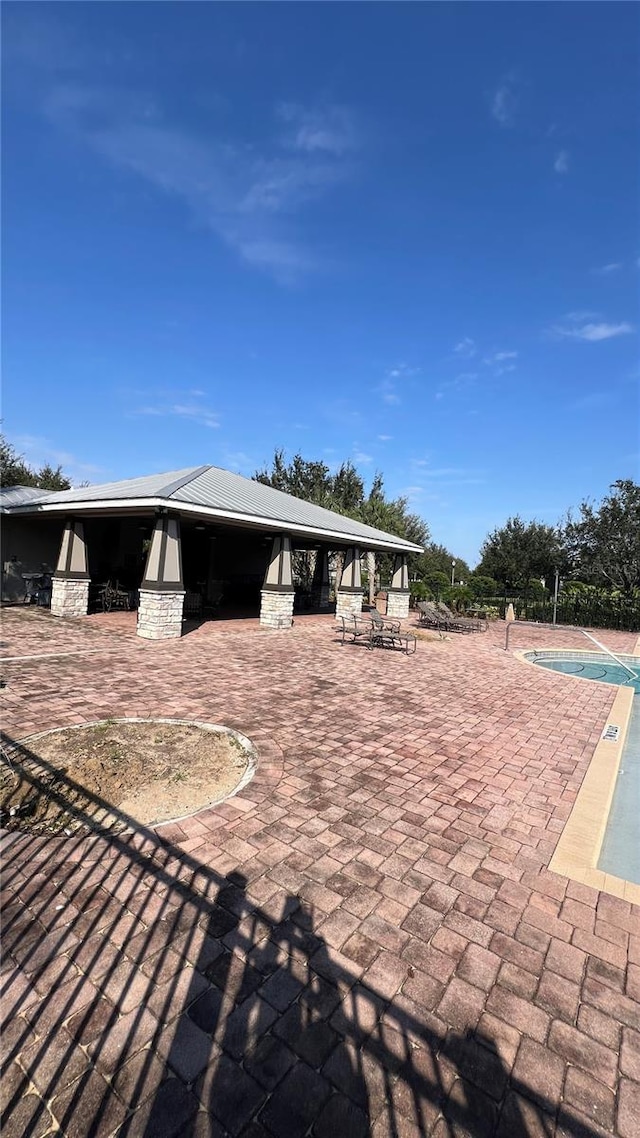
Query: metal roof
<point>221,493</point>
<point>18,496</point>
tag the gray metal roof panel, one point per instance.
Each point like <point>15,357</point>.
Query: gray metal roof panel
<point>147,486</point>
<point>215,489</point>
<point>220,489</point>
<point>19,495</point>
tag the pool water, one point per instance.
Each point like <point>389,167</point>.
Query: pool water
<point>590,669</point>
<point>620,853</point>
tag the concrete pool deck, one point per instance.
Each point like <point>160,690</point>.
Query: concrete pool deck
<point>366,940</point>
<point>578,850</point>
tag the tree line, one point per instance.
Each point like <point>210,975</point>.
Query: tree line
<point>600,545</point>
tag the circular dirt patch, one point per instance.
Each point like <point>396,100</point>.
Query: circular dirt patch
<point>116,772</point>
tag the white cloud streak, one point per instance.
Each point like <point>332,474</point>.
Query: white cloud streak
<point>330,128</point>
<point>590,332</point>
<point>465,348</point>
<point>194,412</point>
<point>561,164</point>
<point>505,101</point>
<point>249,199</point>
<point>39,451</point>
<point>499,357</point>
<point>606,270</point>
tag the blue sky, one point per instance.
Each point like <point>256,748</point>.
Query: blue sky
<point>405,234</point>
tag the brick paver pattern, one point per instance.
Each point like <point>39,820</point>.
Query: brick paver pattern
<point>365,941</point>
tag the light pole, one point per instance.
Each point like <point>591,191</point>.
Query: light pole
<point>555,596</point>
<point>453,573</point>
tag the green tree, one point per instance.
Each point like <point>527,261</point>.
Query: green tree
<point>483,586</point>
<point>438,559</point>
<point>437,583</point>
<point>520,550</point>
<point>604,541</point>
<point>15,471</point>
<point>345,493</point>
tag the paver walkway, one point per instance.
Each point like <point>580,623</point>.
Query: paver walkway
<point>365,941</point>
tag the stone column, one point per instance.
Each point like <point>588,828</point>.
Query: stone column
<point>321,585</point>
<point>70,583</point>
<point>276,607</point>
<point>399,592</point>
<point>162,588</point>
<point>349,590</point>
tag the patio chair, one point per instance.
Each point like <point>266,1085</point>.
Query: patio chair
<point>429,617</point>
<point>113,597</point>
<point>434,618</point>
<point>44,590</point>
<point>192,604</point>
<point>467,623</point>
<point>357,627</point>
<point>383,623</point>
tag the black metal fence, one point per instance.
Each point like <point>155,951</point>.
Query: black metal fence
<point>590,610</point>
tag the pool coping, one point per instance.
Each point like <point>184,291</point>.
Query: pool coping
<point>578,849</point>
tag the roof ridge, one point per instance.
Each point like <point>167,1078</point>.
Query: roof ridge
<point>184,480</point>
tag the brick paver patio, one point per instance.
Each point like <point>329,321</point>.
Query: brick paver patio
<point>366,940</point>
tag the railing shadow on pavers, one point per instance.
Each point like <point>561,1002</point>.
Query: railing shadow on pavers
<point>146,994</point>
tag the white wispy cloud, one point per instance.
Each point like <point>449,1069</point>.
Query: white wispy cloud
<point>361,457</point>
<point>251,199</point>
<point>403,371</point>
<point>195,412</point>
<point>501,362</point>
<point>451,475</point>
<point>328,128</point>
<point>388,387</point>
<point>239,461</point>
<point>606,270</point>
<point>499,357</point>
<point>466,348</point>
<point>461,382</point>
<point>385,438</point>
<point>586,326</point>
<point>561,164</point>
<point>39,451</point>
<point>505,101</point>
<point>388,392</point>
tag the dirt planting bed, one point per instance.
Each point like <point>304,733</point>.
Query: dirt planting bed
<point>111,773</point>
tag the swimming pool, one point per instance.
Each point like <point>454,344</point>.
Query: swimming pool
<point>620,850</point>
<point>589,666</point>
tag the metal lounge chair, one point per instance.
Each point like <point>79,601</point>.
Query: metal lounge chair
<point>467,623</point>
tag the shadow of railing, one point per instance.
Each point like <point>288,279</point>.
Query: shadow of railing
<point>149,994</point>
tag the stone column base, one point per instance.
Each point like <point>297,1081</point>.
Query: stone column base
<point>398,604</point>
<point>348,604</point>
<point>160,614</point>
<point>69,596</point>
<point>276,608</point>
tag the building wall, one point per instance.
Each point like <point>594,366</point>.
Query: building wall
<point>29,545</point>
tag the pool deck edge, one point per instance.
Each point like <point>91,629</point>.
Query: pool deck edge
<point>578,849</point>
